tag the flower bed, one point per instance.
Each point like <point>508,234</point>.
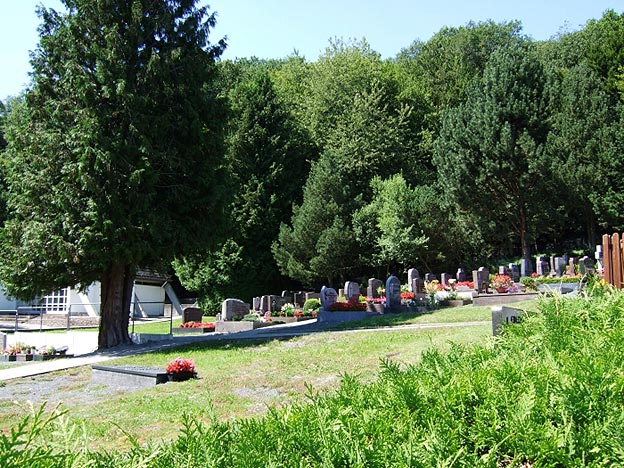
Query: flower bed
<point>347,307</point>
<point>21,352</point>
<point>195,327</point>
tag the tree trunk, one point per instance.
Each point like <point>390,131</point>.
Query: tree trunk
<point>116,294</point>
<point>524,241</point>
<point>590,226</point>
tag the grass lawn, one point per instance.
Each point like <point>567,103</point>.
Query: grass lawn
<point>467,313</point>
<point>244,378</point>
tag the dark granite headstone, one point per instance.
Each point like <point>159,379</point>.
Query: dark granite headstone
<point>374,285</point>
<point>393,293</point>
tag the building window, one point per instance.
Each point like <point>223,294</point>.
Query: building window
<point>55,302</point>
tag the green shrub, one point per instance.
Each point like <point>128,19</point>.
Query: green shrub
<point>557,280</point>
<point>312,305</point>
<point>529,282</point>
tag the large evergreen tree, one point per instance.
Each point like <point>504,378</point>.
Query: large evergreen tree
<point>585,147</point>
<point>113,159</point>
<point>490,153</point>
<point>267,158</point>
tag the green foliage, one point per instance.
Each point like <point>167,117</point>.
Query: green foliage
<point>114,158</point>
<point>529,282</point>
<point>584,144</point>
<point>267,158</point>
<point>453,57</point>
<point>312,305</point>
<point>22,446</point>
<point>391,224</point>
<point>605,48</point>
<point>490,152</point>
<point>371,140</point>
<point>548,393</point>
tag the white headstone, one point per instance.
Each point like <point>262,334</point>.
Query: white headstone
<point>502,315</point>
<point>412,274</point>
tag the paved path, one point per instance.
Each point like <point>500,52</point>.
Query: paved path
<point>277,331</point>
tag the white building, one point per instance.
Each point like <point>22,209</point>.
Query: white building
<point>148,299</point>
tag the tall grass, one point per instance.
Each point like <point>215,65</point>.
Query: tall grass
<point>547,393</point>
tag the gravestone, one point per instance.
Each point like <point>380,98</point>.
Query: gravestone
<point>299,298</point>
<point>598,257</point>
<point>312,295</point>
<point>265,304</point>
<point>444,278</point>
<point>560,266</point>
<point>3,342</point>
<point>566,259</point>
<point>430,277</point>
<point>586,266</point>
<point>374,285</point>
<point>192,314</point>
<point>541,266</point>
<point>277,302</point>
<point>514,272</point>
<point>288,296</point>
<point>352,291</point>
<point>526,267</point>
<point>571,268</point>
<point>256,303</point>
<point>502,270</point>
<point>461,275</point>
<point>393,293</point>
<point>418,286</point>
<point>481,280</point>
<point>412,274</point>
<point>231,308</point>
<point>502,315</point>
<point>328,297</point>
<point>552,264</point>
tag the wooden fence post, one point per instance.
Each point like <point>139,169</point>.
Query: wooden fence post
<point>606,258</point>
<point>616,260</point>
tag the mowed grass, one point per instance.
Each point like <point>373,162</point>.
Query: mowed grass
<point>243,379</point>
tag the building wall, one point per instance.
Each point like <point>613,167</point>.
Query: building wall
<point>147,300</point>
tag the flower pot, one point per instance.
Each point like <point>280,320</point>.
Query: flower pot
<point>181,376</point>
<point>501,289</point>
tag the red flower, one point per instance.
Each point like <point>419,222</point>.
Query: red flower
<point>180,365</point>
<point>406,296</point>
<point>347,307</point>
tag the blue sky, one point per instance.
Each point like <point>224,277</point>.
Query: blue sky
<point>275,28</point>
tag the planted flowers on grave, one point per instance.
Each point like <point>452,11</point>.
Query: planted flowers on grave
<point>502,283</point>
<point>344,306</point>
<point>181,369</point>
<point>205,326</point>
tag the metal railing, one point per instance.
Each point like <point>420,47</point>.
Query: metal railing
<point>35,317</point>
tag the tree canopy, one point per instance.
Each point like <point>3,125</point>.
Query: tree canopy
<point>114,158</point>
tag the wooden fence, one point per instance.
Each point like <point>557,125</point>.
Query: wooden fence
<point>612,252</point>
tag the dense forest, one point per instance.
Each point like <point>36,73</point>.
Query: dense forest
<point>477,145</point>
